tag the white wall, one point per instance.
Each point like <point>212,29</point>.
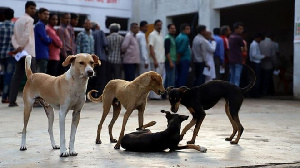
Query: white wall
<point>98,10</point>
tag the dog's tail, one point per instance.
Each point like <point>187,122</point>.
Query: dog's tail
<point>27,66</point>
<point>91,98</point>
<point>253,79</point>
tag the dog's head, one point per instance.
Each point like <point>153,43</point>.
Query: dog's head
<point>174,119</point>
<point>82,63</point>
<point>156,83</point>
<point>175,95</point>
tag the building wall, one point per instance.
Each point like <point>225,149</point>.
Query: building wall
<point>97,10</point>
<point>297,57</point>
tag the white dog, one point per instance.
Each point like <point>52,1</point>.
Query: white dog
<point>65,92</point>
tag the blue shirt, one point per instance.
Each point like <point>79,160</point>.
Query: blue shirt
<point>220,49</point>
<point>183,46</point>
<point>42,41</point>
<point>6,31</point>
<point>100,44</point>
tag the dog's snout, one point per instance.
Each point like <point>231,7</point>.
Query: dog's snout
<point>161,92</point>
<point>90,73</point>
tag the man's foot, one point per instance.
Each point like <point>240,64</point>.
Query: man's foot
<point>13,104</point>
<point>5,101</point>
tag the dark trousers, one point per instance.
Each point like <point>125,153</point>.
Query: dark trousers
<point>199,77</point>
<point>8,67</point>
<point>115,71</point>
<point>267,84</point>
<point>62,69</point>
<point>17,78</point>
<point>129,70</point>
<point>182,73</point>
<point>41,65</point>
<point>255,91</point>
<point>52,67</point>
<point>99,81</point>
<point>217,61</point>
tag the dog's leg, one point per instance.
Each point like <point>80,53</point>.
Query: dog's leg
<point>191,146</point>
<point>106,108</point>
<point>125,119</point>
<point>200,119</point>
<point>116,113</point>
<point>75,122</point>
<point>62,119</point>
<point>50,114</point>
<point>187,127</point>
<point>141,110</point>
<point>234,126</point>
<point>240,129</point>
<point>27,110</point>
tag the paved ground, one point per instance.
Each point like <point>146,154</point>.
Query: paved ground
<point>271,138</point>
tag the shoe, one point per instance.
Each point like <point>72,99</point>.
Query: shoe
<point>5,101</point>
<point>13,105</point>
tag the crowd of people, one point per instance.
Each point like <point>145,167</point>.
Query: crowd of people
<point>215,56</point>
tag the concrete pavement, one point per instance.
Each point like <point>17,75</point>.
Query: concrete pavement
<point>271,138</point>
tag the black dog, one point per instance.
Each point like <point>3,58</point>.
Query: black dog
<point>145,141</point>
<point>204,97</point>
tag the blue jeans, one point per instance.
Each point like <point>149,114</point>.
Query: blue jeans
<point>8,67</point>
<point>129,70</point>
<point>235,73</point>
<point>170,75</point>
<point>182,73</point>
<point>200,78</point>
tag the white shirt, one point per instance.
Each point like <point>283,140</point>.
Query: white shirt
<point>24,34</point>
<point>144,56</point>
<point>201,47</point>
<point>156,40</point>
<point>254,52</point>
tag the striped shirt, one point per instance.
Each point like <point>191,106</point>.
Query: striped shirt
<point>65,38</point>
<point>6,31</point>
<point>114,42</point>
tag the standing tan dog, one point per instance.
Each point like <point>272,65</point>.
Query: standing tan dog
<point>132,95</point>
<point>65,92</point>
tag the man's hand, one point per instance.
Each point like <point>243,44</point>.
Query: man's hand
<point>146,66</point>
<point>155,64</point>
<point>171,64</point>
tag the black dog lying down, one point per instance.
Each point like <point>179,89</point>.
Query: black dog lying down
<point>145,141</point>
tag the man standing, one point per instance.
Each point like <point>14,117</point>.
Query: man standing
<point>85,39</point>
<point>236,59</point>
<point>65,38</point>
<point>102,73</point>
<point>70,27</point>
<point>54,47</point>
<point>219,53</point>
<point>22,39</point>
<point>131,57</point>
<point>114,42</point>
<point>7,62</point>
<point>268,48</point>
<point>225,33</point>
<point>144,55</point>
<point>255,62</point>
<point>42,41</point>
<point>183,55</point>
<point>157,53</point>
<point>171,56</point>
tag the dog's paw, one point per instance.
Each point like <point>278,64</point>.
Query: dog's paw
<point>228,139</point>
<point>64,154</point>
<point>98,142</point>
<point>202,149</point>
<point>233,142</point>
<point>23,148</point>
<point>117,146</point>
<point>73,153</point>
<point>55,147</point>
<point>190,142</point>
<point>113,141</point>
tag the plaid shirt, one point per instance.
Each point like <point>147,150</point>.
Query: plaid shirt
<point>85,43</point>
<point>114,42</point>
<point>6,31</point>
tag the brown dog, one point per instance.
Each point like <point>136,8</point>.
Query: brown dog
<point>132,95</point>
<point>65,92</point>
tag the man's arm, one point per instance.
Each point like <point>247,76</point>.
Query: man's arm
<point>152,53</point>
<point>167,52</point>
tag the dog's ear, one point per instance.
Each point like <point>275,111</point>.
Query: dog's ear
<point>96,60</point>
<point>183,117</point>
<point>168,114</point>
<point>156,77</point>
<point>69,60</point>
<point>169,89</point>
<point>183,89</point>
